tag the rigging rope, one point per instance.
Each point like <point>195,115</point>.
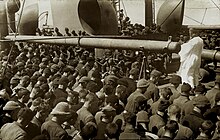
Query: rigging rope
<point>22,9</point>
<point>204,16</point>
<point>124,8</point>
<point>215,5</point>
<point>193,19</point>
<point>200,8</point>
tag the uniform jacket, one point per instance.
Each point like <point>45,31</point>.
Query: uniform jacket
<point>193,121</point>
<point>183,133</point>
<point>13,131</point>
<point>54,131</point>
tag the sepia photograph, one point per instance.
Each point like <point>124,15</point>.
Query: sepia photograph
<point>109,69</point>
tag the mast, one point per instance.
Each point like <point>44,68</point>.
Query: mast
<point>149,18</point>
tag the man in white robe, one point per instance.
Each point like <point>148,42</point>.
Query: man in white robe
<point>190,59</point>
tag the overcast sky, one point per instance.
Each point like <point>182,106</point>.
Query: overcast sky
<point>196,11</point>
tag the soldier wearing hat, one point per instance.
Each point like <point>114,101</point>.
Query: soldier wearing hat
<point>61,92</point>
<point>175,82</point>
<point>174,113</point>
<point>129,131</point>
<point>11,110</point>
<point>206,130</point>
<point>84,115</point>
<point>52,128</point>
<point>212,92</point>
<point>54,68</point>
<point>16,129</point>
<point>165,94</point>
<point>131,80</point>
<point>212,114</point>
<point>171,130</point>
<point>42,80</point>
<point>142,86</point>
<point>36,92</point>
<point>113,102</point>
<point>23,96</point>
<point>184,97</point>
<point>96,80</point>
<point>33,81</point>
<point>24,82</point>
<point>107,117</point>
<point>81,88</point>
<point>14,82</point>
<point>88,132</point>
<point>188,106</point>
<point>142,125</point>
<point>122,93</point>
<point>152,91</point>
<point>196,118</point>
<point>159,119</point>
<point>89,64</point>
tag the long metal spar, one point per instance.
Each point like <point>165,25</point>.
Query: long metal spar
<point>104,43</point>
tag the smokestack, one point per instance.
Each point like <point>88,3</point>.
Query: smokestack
<point>148,13</point>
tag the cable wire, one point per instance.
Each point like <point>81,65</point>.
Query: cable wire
<point>193,19</point>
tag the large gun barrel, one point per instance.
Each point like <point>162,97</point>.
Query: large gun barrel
<point>103,43</point>
<point>114,43</point>
<point>212,55</point>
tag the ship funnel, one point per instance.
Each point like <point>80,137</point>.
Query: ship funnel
<point>170,16</point>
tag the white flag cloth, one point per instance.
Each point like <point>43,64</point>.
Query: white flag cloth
<point>190,61</point>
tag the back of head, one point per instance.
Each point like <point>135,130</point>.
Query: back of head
<point>123,82</point>
<point>111,130</point>
<point>155,73</point>
<point>134,72</point>
<point>176,79</point>
<point>140,103</point>
<point>112,100</point>
<point>186,87</point>
<point>142,83</point>
<point>163,105</point>
<point>25,114</point>
<point>90,97</point>
<point>201,101</point>
<point>174,110</point>
<point>200,89</point>
<point>130,118</point>
<point>166,93</point>
<point>207,127</point>
<point>22,92</point>
<point>92,87</point>
<point>173,127</point>
<point>89,130</point>
<point>108,89</point>
<point>142,117</point>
